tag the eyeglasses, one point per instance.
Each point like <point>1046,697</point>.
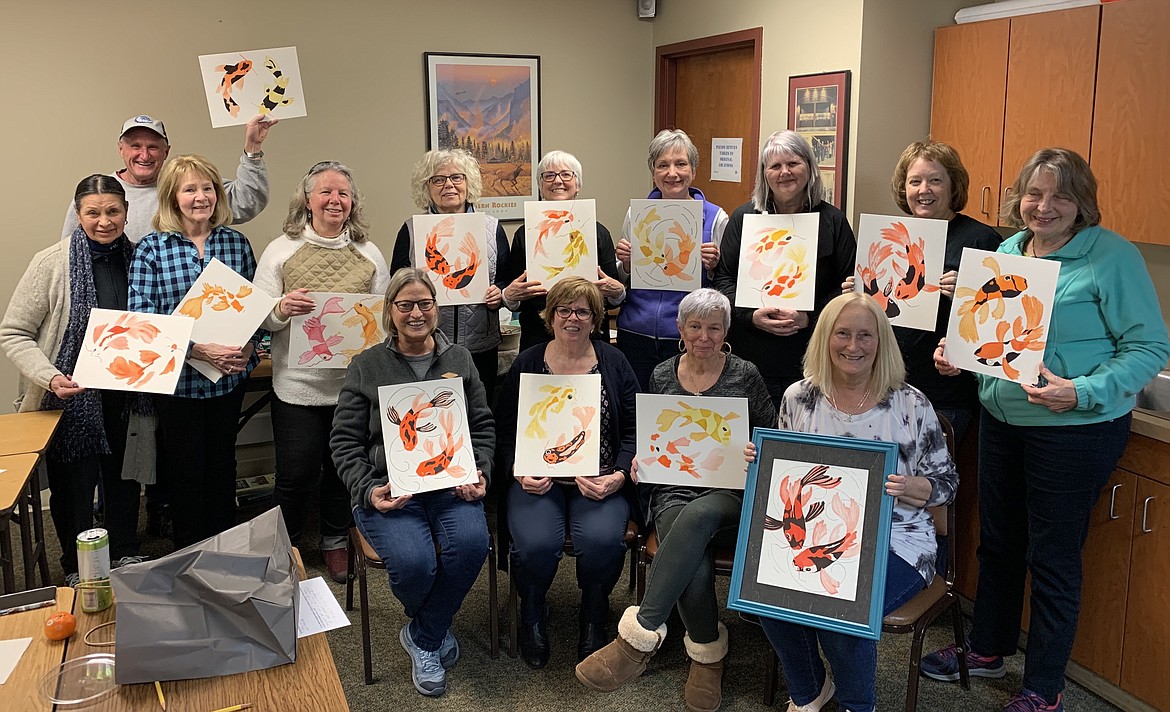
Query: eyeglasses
<point>566,312</point>
<point>550,176</point>
<point>406,306</point>
<point>455,178</point>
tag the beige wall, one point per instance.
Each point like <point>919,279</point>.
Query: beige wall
<point>363,74</point>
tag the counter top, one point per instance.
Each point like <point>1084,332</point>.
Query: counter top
<point>1150,425</point>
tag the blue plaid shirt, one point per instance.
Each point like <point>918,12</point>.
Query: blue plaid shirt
<point>165,266</point>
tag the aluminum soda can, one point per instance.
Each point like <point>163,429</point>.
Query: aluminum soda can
<point>93,567</point>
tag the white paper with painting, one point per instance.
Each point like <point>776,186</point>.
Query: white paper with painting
<point>1000,314</point>
<point>900,263</point>
<point>693,441</point>
<point>227,309</point>
<point>558,426</point>
<point>560,240</point>
<point>666,246</point>
<point>813,528</point>
<point>128,351</point>
<point>340,327</point>
<point>240,85</point>
<point>778,261</point>
<point>453,251</point>
<point>427,437</point>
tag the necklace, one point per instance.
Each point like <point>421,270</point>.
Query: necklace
<point>848,415</point>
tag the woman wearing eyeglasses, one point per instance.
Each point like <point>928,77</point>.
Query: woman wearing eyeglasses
<point>446,182</point>
<point>324,248</point>
<point>539,509</point>
<point>433,543</point>
<point>560,178</point>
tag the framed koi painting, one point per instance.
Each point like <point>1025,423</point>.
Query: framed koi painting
<point>818,110</point>
<point>427,439</point>
<point>560,240</point>
<point>693,441</point>
<point>1000,314</point>
<point>778,261</point>
<point>814,532</point>
<point>453,251</point>
<point>558,426</point>
<point>899,263</point>
<point>227,309</point>
<point>489,106</point>
<point>340,327</point>
<point>240,85</point>
<point>667,239</point>
<point>127,351</point>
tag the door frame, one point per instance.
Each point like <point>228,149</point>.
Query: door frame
<point>666,56</point>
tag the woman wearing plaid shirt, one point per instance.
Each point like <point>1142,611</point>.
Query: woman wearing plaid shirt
<point>198,422</point>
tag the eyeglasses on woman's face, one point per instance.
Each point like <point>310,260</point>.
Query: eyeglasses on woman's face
<point>455,178</point>
<point>406,306</point>
<point>566,312</point>
<point>550,176</point>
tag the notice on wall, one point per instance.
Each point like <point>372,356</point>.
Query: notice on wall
<point>725,159</point>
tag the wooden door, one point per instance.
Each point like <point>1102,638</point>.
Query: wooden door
<point>1147,617</point>
<point>967,105</point>
<point>710,88</point>
<point>1131,118</point>
<point>1052,72</point>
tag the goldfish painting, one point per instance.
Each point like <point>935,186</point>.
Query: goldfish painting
<point>552,224</point>
<point>364,317</point>
<point>788,278</point>
<point>913,271</point>
<point>426,436</point>
<point>988,299</point>
<point>443,452</point>
<point>453,251</point>
<point>710,424</point>
<point>557,421</point>
<point>1011,340</point>
<point>777,262</point>
<point>340,327</point>
<point>216,297</point>
<point>132,352</point>
<point>560,240</point>
<point>666,238</point>
<point>233,78</point>
<point>794,494</point>
<point>564,450</point>
<point>846,543</point>
<point>408,427</point>
<point>554,402</point>
<point>691,441</point>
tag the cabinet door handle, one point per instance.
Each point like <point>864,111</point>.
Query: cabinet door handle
<point>1113,501</point>
<point>1146,511</point>
<point>983,200</point>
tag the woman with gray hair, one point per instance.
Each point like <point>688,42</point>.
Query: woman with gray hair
<point>448,181</point>
<point>647,328</point>
<point>690,521</point>
<point>324,248</point>
<point>787,181</point>
<point>560,178</point>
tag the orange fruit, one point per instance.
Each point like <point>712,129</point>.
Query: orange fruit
<point>60,625</point>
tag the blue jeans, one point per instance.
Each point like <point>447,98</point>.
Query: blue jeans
<point>434,548</point>
<point>1037,487</point>
<point>854,660</point>
<point>644,353</point>
<point>537,523</point>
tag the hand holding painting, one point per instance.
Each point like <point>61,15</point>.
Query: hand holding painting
<point>295,303</point>
<point>472,492</point>
<point>256,130</point>
<point>521,289</point>
<point>710,255</point>
<point>910,489</point>
<point>534,485</point>
<point>599,487</point>
<point>383,501</point>
<point>226,359</point>
<point>778,321</point>
<point>65,388</point>
<point>1057,394</point>
<point>493,297</point>
<point>623,254</point>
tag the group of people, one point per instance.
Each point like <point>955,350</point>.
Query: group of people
<point>1045,449</point>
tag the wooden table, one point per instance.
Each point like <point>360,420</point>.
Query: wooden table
<point>42,655</point>
<point>20,500</point>
<point>311,683</point>
<point>27,432</point>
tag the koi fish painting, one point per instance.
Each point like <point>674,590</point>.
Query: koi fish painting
<point>340,327</point>
<point>426,435</point>
<point>1001,313</point>
<point>557,425</point>
<point>667,235</point>
<point>126,351</point>
<point>777,265</point>
<point>240,85</point>
<point>453,251</point>
<point>560,240</point>
<point>903,266</point>
<point>694,441</point>
<point>227,309</point>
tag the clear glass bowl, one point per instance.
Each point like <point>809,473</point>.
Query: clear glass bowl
<point>79,682</point>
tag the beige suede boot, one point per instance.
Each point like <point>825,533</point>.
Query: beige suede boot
<point>704,688</point>
<point>625,658</point>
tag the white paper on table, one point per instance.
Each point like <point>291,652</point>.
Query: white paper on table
<point>692,441</point>
<point>900,263</point>
<point>778,261</point>
<point>10,654</point>
<point>558,425</point>
<point>317,609</point>
<point>227,309</point>
<point>128,351</point>
<point>426,435</point>
<point>666,250</point>
<point>240,85</point>
<point>340,327</point>
<point>560,240</point>
<point>452,250</point>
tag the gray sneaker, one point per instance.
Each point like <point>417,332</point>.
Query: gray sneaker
<point>71,580</point>
<point>126,560</point>
<point>449,651</point>
<point>426,672</point>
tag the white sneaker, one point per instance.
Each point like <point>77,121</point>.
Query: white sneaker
<point>827,693</point>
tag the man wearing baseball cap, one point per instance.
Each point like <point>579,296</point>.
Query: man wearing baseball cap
<point>143,145</point>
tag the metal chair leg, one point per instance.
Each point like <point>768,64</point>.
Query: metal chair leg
<point>513,619</point>
<point>493,602</point>
<point>349,574</point>
<point>770,677</point>
<point>365,602</point>
<point>961,646</point>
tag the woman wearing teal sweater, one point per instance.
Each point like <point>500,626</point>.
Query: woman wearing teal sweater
<point>1047,450</point>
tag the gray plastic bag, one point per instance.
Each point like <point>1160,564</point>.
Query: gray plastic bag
<point>222,606</point>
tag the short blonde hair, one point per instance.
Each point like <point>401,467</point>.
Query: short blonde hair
<point>569,290</point>
<point>941,153</point>
<point>401,278</point>
<point>889,370</point>
<point>169,218</point>
<point>464,162</point>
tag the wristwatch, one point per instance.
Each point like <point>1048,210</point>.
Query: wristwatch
<point>257,154</point>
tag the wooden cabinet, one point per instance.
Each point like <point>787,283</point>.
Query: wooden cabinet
<point>1147,615</point>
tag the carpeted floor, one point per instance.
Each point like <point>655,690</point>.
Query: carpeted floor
<point>480,683</point>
